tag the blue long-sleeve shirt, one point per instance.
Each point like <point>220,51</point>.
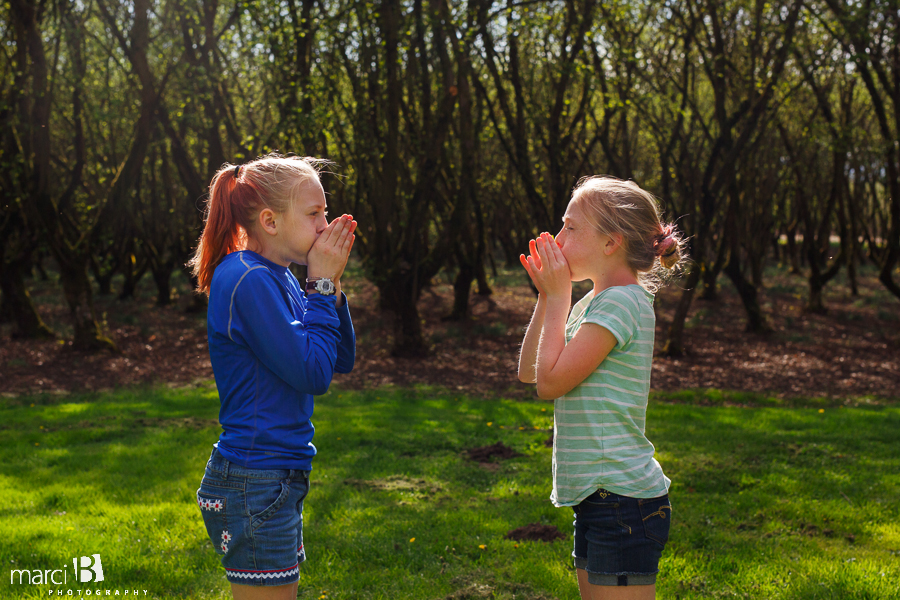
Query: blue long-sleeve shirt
<point>272,349</point>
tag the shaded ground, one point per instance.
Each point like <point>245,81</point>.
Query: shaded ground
<point>852,351</point>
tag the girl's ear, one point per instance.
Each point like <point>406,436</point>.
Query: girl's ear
<point>267,221</point>
<point>614,242</point>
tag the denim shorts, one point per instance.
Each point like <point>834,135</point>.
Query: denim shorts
<point>619,540</point>
<point>254,518</point>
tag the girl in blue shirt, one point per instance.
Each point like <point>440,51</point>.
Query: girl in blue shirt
<point>274,344</point>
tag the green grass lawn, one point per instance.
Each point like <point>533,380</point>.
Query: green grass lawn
<point>774,502</point>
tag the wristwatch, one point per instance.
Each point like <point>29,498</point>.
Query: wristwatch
<point>323,285</point>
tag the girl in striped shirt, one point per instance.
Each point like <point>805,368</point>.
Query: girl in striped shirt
<point>596,366</point>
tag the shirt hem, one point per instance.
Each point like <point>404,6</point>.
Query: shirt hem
<point>263,462</point>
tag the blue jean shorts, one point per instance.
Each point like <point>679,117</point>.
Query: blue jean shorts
<point>254,518</point>
<point>619,540</point>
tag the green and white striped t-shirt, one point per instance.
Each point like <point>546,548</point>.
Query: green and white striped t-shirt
<point>598,427</point>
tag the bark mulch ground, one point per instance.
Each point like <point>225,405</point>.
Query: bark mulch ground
<point>851,353</point>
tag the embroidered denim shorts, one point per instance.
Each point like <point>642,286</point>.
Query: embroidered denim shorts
<point>619,540</point>
<point>254,518</point>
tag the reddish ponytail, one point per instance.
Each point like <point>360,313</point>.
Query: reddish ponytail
<point>230,210</point>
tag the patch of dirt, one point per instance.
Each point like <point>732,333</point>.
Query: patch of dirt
<point>475,591</point>
<point>484,454</point>
<point>536,532</point>
<point>852,351</point>
<point>477,586</point>
<point>396,483</point>
<point>813,531</point>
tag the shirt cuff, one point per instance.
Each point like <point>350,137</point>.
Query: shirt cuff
<point>320,301</point>
<point>343,310</point>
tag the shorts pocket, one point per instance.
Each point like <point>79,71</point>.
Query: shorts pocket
<point>656,514</point>
<point>264,500</point>
<point>605,515</point>
<point>213,509</point>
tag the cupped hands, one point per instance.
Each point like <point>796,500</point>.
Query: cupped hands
<point>331,250</point>
<point>547,267</point>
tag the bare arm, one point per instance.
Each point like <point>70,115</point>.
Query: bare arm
<point>529,352</point>
<point>561,366</point>
<point>552,343</point>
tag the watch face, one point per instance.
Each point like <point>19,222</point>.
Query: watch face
<point>325,287</point>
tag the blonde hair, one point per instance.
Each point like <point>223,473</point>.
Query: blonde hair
<point>236,195</point>
<point>653,248</point>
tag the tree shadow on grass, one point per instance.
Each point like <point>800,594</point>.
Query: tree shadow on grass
<point>758,492</point>
<point>132,448</point>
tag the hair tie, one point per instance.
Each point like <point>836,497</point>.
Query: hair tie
<point>237,171</point>
<point>665,244</point>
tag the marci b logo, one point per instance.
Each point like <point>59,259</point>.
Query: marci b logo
<point>91,569</point>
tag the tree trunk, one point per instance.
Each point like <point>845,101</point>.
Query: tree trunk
<point>162,277</point>
<point>132,270</point>
<point>484,288</point>
<point>756,320</point>
<point>816,285</point>
<point>461,289</point>
<point>402,294</point>
<point>104,279</point>
<point>77,291</point>
<point>38,265</point>
<point>709,277</point>
<point>674,346</point>
<point>851,275</point>
<point>18,306</point>
<point>793,250</point>
<point>887,267</point>
<point>6,315</point>
<point>757,264</point>
<point>709,271</point>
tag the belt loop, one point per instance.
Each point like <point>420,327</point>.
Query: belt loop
<point>225,468</point>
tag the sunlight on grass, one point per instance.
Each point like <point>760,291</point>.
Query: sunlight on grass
<point>778,502</point>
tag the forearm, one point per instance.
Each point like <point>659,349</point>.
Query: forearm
<point>552,340</point>
<point>528,354</point>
